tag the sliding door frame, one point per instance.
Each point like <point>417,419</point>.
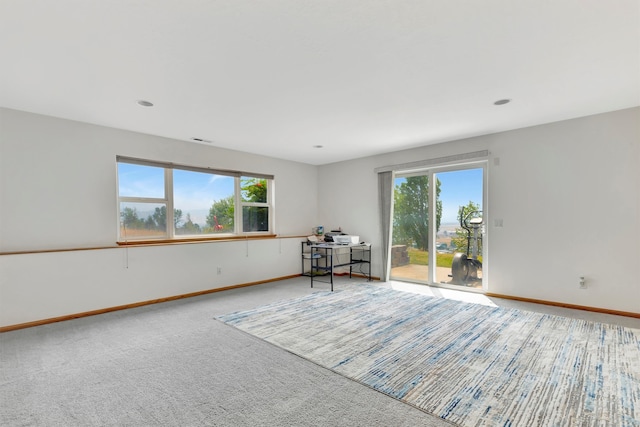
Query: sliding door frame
<point>431,173</point>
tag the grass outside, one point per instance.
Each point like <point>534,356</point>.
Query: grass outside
<point>419,257</point>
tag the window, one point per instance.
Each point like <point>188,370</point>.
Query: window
<point>255,209</point>
<point>162,201</point>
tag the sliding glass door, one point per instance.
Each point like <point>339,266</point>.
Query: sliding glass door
<point>410,232</point>
<point>459,237</point>
<point>438,226</point>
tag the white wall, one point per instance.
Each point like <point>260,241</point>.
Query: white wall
<point>58,191</point>
<point>568,194</point>
<point>47,285</point>
<point>58,180</point>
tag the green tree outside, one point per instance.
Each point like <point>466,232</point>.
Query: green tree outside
<point>156,221</point>
<point>254,218</point>
<point>410,214</point>
<point>221,216</point>
<point>189,227</point>
<point>254,190</point>
<point>130,219</point>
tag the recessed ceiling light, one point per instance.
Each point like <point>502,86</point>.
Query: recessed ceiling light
<point>318,146</point>
<point>502,101</point>
<point>144,103</point>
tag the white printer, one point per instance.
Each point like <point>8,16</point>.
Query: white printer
<point>346,239</point>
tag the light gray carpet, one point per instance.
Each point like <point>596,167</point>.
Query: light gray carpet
<point>173,365</point>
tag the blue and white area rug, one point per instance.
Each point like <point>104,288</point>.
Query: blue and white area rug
<point>470,364</point>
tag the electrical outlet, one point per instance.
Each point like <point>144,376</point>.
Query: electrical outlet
<point>219,270</point>
<point>582,283</point>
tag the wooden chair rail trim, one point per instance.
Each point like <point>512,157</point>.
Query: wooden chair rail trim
<point>154,243</point>
<point>193,240</point>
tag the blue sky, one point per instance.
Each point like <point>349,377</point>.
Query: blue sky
<point>457,188</point>
<point>140,181</point>
<point>194,192</point>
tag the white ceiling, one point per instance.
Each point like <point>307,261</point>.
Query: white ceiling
<point>359,77</point>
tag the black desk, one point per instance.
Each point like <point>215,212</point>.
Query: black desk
<point>324,258</point>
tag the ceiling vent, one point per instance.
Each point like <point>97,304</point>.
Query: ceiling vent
<point>201,140</point>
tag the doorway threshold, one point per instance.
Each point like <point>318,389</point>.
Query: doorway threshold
<point>458,293</point>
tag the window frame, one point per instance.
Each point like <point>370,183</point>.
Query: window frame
<point>170,234</point>
<point>241,204</point>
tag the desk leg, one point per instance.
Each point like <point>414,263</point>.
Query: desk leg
<point>331,270</point>
<point>311,270</point>
<point>350,263</point>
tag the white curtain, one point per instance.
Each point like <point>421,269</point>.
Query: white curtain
<point>385,193</point>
